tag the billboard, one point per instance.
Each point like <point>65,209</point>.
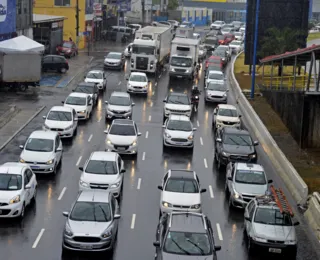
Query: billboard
<point>124,5</point>
<point>7,18</point>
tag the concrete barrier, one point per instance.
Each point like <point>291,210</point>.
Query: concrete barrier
<point>313,213</point>
<point>297,187</point>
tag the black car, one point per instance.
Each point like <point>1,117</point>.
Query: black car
<point>234,145</point>
<point>54,63</point>
<point>88,88</point>
<point>211,43</point>
<point>182,235</point>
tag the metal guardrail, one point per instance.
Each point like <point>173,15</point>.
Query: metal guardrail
<point>288,82</point>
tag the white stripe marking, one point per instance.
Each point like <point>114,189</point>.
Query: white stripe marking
<point>36,242</point>
<point>205,162</point>
<point>90,137</point>
<point>62,193</point>
<point>147,134</point>
<point>198,123</point>
<point>195,109</point>
<point>219,232</point>
<point>155,84</point>
<point>201,141</point>
<point>133,221</point>
<point>99,119</point>
<point>139,184</point>
<point>211,191</point>
<point>143,156</point>
<point>119,83</point>
<point>79,160</point>
<point>149,118</point>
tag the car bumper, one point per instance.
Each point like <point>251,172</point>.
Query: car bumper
<point>225,160</point>
<point>168,142</point>
<point>180,74</point>
<point>112,66</point>
<point>216,99</point>
<point>82,116</point>
<point>167,113</point>
<point>267,247</point>
<point>238,203</point>
<point>42,168</point>
<point>11,211</point>
<point>115,191</point>
<point>62,134</point>
<point>137,90</point>
<point>72,245</point>
<point>177,209</point>
<point>110,115</point>
<point>127,149</point>
<point>220,125</point>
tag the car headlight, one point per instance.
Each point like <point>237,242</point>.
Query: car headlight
<point>187,71</point>
<point>22,161</point>
<point>167,135</point>
<point>68,128</point>
<point>109,142</point>
<point>290,242</point>
<point>15,199</point>
<point>197,206</point>
<point>67,230</point>
<point>223,59</point>
<point>129,86</point>
<point>172,69</point>
<point>236,195</point>
<point>145,86</point>
<point>260,239</point>
<point>225,154</point>
<point>166,204</point>
<point>190,137</point>
<point>107,233</point>
<point>83,183</point>
<point>82,112</point>
<point>219,121</point>
<point>134,143</point>
<point>252,156</point>
<point>115,185</point>
<point>50,161</point>
<point>224,95</point>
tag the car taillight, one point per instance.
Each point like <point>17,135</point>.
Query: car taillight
<point>67,61</point>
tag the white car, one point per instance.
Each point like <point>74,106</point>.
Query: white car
<point>18,188</point>
<point>98,77</point>
<point>180,191</point>
<point>122,137</point>
<point>226,116</point>
<point>174,23</point>
<point>238,36</point>
<point>119,105</point>
<point>215,77</point>
<point>82,103</point>
<point>216,93</point>
<point>63,120</point>
<point>236,46</point>
<point>42,151</point>
<point>217,25</point>
<point>138,83</point>
<point>178,132</point>
<point>128,50</point>
<point>242,29</point>
<point>103,170</point>
<point>178,104</point>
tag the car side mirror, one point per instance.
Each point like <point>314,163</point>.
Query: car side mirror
<point>58,149</point>
<point>240,116</point>
<point>230,178</point>
<point>217,248</point>
<point>75,119</point>
<point>203,190</point>
<point>227,90</point>
<point>218,140</point>
<point>27,187</point>
<point>270,181</point>
<point>106,131</point>
<point>165,101</point>
<point>117,216</point>
<point>65,214</point>
<point>44,117</point>
<point>84,77</point>
<point>160,187</point>
<point>164,126</point>
<point>149,80</point>
<point>194,129</point>
<point>123,170</point>
<point>21,146</point>
<point>156,244</point>
<point>255,143</point>
<point>106,102</point>
<point>225,78</point>
<point>139,134</point>
<point>296,223</point>
<point>133,104</point>
<point>90,103</point>
<point>127,78</point>
<point>81,169</point>
<point>247,218</point>
<point>73,90</point>
<point>62,102</point>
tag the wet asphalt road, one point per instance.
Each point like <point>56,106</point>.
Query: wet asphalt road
<point>134,237</point>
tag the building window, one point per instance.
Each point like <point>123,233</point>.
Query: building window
<point>62,2</point>
<point>19,6</point>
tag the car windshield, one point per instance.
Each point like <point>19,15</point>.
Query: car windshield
<point>179,125</point>
<point>77,101</point>
<point>91,211</point>
<point>181,62</point>
<point>229,36</point>
<point>138,78</point>
<point>94,75</point>
<point>101,167</point>
<point>181,186</point>
<point>220,53</point>
<point>112,55</point>
<point>234,139</point>
<point>250,177</point>
<point>85,89</point>
<point>186,23</point>
<point>216,76</point>
<point>235,43</point>
<point>201,48</point>
<point>216,87</point>
<point>126,130</point>
<point>238,33</point>
<point>214,61</point>
<point>186,243</point>
<point>227,112</point>
<point>10,181</point>
<point>272,216</point>
<point>39,145</point>
<point>211,41</point>
<point>222,48</point>
<point>119,101</point>
<point>67,45</point>
<point>220,37</point>
<point>60,116</point>
<point>217,22</point>
<point>178,99</point>
<point>142,49</point>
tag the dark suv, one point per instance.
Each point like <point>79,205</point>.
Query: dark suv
<point>88,88</point>
<point>184,235</point>
<point>234,145</point>
<point>55,63</point>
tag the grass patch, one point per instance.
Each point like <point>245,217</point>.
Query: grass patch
<point>313,36</point>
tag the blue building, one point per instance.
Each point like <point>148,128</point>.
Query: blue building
<point>7,19</point>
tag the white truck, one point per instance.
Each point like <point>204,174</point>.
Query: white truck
<point>150,49</point>
<point>184,32</point>
<point>184,58</point>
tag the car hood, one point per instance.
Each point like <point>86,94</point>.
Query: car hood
<point>7,195</point>
<point>118,108</point>
<point>178,107</point>
<point>228,118</point>
<point>183,199</point>
<point>237,149</point>
<point>234,46</point>
<point>178,134</point>
<point>58,124</point>
<point>93,80</point>
<point>216,93</point>
<point>30,156</point>
<point>85,228</point>
<point>250,189</point>
<point>279,233</point>
<point>111,60</point>
<point>76,107</point>
<point>215,80</point>
<point>121,140</point>
<point>138,84</point>
<point>99,178</point>
<point>184,257</point>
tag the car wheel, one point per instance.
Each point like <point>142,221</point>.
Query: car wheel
<point>75,132</point>
<point>65,253</point>
<point>250,246</point>
<point>218,164</point>
<point>23,209</point>
<point>54,172</point>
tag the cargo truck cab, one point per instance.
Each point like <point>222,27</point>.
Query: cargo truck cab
<point>143,57</point>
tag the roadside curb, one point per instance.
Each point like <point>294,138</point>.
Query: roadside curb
<point>22,127</point>
<point>8,115</point>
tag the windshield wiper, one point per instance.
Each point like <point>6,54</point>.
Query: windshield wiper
<point>104,213</point>
<point>201,250</point>
<point>244,140</point>
<point>182,249</point>
<point>234,141</point>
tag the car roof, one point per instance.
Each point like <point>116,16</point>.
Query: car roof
<point>61,109</point>
<point>249,166</point>
<point>227,106</point>
<point>122,122</point>
<point>43,134</point>
<point>179,117</point>
<point>138,73</point>
<point>78,94</point>
<point>232,130</point>
<point>120,94</point>
<point>215,72</point>
<point>91,84</point>
<point>187,222</point>
<point>181,173</point>
<point>94,196</point>
<point>177,94</point>
<point>95,71</point>
<point>12,168</point>
<point>113,52</point>
<point>103,156</point>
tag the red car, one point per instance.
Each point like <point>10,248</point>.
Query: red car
<point>67,49</point>
<point>214,60</point>
<point>227,38</point>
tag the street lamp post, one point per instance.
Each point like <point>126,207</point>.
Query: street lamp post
<point>255,43</point>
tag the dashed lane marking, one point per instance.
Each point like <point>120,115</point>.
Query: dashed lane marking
<point>62,193</point>
<point>211,191</point>
<point>36,242</point>
<point>139,184</point>
<point>205,163</point>
<point>99,119</point>
<point>149,118</point>
<point>90,137</point>
<point>198,123</point>
<point>119,83</point>
<point>133,221</point>
<point>143,156</point>
<point>219,232</point>
<point>147,134</point>
<point>155,84</point>
<point>79,160</point>
<point>201,141</point>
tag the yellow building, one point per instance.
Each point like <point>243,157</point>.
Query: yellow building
<point>68,9</point>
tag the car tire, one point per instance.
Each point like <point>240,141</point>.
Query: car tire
<point>250,247</point>
<point>23,211</point>
<point>54,172</point>
<point>65,253</point>
<point>75,132</point>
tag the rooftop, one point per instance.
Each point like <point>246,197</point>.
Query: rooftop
<point>94,196</point>
<point>227,106</point>
<point>179,117</point>
<point>120,94</point>
<point>61,108</point>
<point>249,166</point>
<point>43,18</point>
<point>103,156</point>
<point>182,174</point>
<point>122,122</point>
<point>43,134</point>
<point>190,222</point>
<point>12,168</point>
<point>78,94</point>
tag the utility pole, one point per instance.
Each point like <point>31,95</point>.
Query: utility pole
<point>77,20</point>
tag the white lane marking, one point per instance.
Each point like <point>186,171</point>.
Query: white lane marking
<point>155,84</point>
<point>36,242</point>
<point>90,137</point>
<point>149,118</point>
<point>143,156</point>
<point>147,134</point>
<point>198,123</point>
<point>195,109</point>
<point>79,160</point>
<point>119,83</point>
<point>205,163</point>
<point>139,184</point>
<point>133,221</point>
<point>219,232</point>
<point>99,119</point>
<point>201,141</point>
<point>211,191</point>
<point>62,193</point>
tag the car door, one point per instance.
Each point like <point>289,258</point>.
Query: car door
<point>215,113</point>
<point>120,165</point>
<point>58,145</point>
<point>96,93</point>
<point>32,181</point>
<point>27,192</point>
<point>104,79</point>
<point>89,104</point>
<point>115,211</point>
<point>163,184</point>
<point>249,211</point>
<point>47,63</point>
<point>230,173</point>
<point>219,135</point>
<point>56,64</point>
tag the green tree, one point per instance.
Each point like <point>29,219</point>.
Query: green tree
<point>173,4</point>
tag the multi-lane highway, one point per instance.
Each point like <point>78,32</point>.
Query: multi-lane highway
<point>39,235</point>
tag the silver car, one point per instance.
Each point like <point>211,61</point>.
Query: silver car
<point>178,132</point>
<point>216,92</point>
<point>92,223</point>
<point>42,151</point>
<point>245,181</point>
<point>114,60</point>
<point>119,105</point>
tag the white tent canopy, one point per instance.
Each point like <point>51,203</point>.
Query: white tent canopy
<point>21,43</point>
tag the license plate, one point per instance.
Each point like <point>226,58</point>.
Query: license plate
<point>121,149</point>
<point>275,250</point>
<point>34,167</point>
<point>86,246</point>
